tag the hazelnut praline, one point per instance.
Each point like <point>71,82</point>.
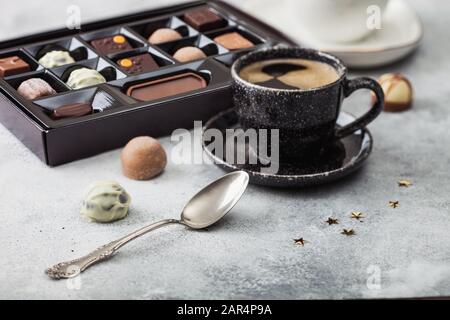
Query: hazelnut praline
<point>187,54</point>
<point>164,35</point>
<point>398,92</point>
<point>143,158</point>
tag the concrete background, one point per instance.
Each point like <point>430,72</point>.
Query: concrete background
<point>251,253</point>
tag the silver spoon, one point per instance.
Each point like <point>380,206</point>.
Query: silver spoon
<point>206,208</point>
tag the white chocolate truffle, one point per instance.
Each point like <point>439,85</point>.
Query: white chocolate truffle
<point>105,201</point>
<point>398,92</point>
<point>143,158</point>
<point>186,54</point>
<point>84,77</point>
<point>56,58</point>
<point>164,35</point>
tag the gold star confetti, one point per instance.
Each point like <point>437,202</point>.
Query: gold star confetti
<point>394,204</point>
<point>404,183</point>
<point>357,215</point>
<point>331,221</point>
<point>348,232</point>
<point>300,242</point>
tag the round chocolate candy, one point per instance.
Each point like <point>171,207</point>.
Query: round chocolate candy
<point>105,201</point>
<point>35,88</point>
<point>84,77</point>
<point>186,54</point>
<point>49,48</point>
<point>398,92</point>
<point>164,35</point>
<point>143,158</point>
<point>56,59</point>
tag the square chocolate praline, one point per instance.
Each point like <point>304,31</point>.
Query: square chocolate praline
<point>10,66</point>
<point>233,41</point>
<point>138,64</point>
<point>113,44</point>
<point>204,20</point>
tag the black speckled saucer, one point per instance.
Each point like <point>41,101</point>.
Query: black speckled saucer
<point>337,161</point>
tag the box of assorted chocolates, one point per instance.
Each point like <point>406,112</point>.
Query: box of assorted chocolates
<point>70,94</point>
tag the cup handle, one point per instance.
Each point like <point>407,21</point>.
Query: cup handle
<point>351,86</point>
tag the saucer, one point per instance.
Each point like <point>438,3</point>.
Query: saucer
<point>339,159</point>
<point>401,34</point>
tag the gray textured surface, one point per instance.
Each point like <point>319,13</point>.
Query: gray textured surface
<point>251,254</point>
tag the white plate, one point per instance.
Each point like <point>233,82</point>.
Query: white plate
<point>401,33</point>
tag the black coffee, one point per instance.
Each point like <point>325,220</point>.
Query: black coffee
<point>290,74</point>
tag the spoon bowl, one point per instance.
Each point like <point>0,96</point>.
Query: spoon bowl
<point>214,201</point>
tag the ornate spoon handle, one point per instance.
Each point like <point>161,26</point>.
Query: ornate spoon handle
<point>72,268</point>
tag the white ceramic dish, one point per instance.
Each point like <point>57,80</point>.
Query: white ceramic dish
<point>20,18</point>
<point>400,35</point>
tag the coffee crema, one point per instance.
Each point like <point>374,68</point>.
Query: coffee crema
<point>292,73</point>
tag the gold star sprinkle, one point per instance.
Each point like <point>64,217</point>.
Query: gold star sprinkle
<point>357,215</point>
<point>348,232</point>
<point>300,242</point>
<point>394,204</point>
<point>404,183</point>
<point>331,221</point>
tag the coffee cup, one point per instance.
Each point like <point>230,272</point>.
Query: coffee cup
<point>339,20</point>
<point>299,92</point>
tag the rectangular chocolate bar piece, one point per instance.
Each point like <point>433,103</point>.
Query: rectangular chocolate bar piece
<point>204,20</point>
<point>72,110</point>
<point>10,66</point>
<point>166,87</point>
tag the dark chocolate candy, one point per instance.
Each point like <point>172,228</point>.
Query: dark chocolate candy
<point>114,44</point>
<point>12,65</point>
<point>166,87</point>
<point>138,64</point>
<point>204,20</point>
<point>72,110</point>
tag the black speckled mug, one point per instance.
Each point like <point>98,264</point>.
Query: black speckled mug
<point>306,119</point>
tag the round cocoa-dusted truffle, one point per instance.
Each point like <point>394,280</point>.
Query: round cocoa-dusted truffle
<point>186,54</point>
<point>398,92</point>
<point>164,35</point>
<point>143,158</point>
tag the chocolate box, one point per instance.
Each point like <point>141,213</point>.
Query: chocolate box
<point>117,117</point>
